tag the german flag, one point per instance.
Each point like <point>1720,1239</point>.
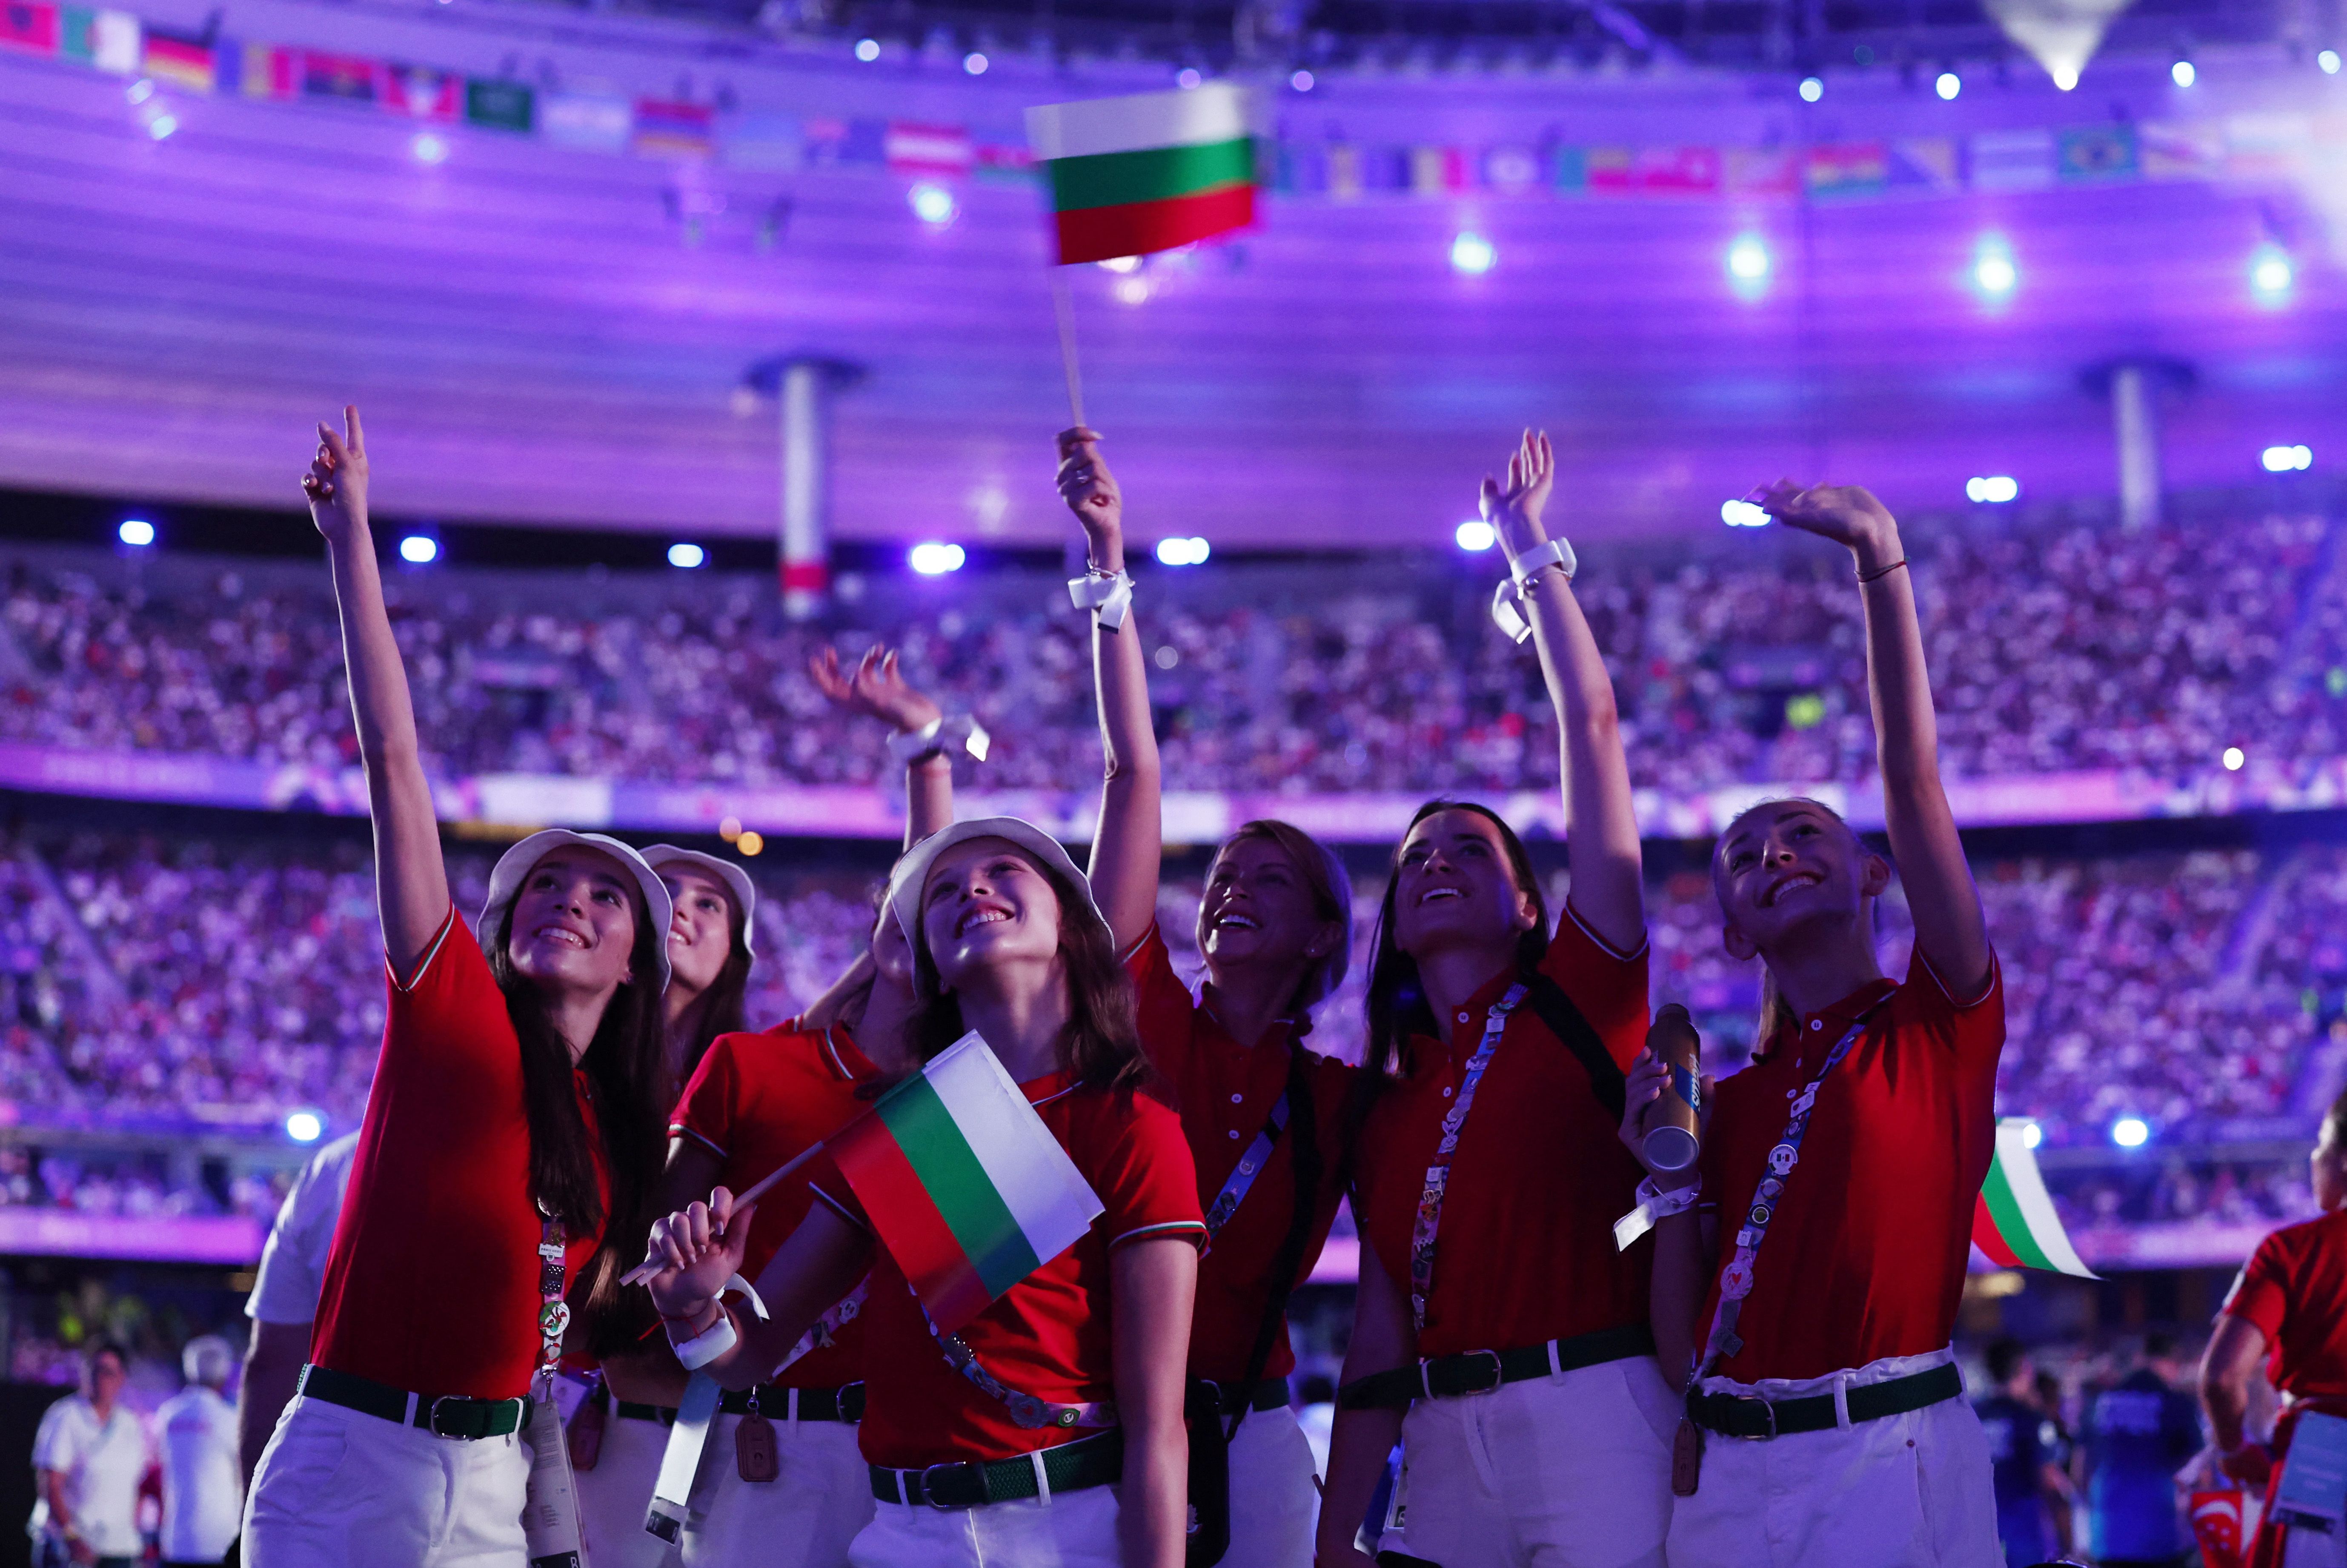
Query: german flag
<point>175,57</point>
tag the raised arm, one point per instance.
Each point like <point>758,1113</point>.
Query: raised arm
<point>1600,828</point>
<point>411,878</point>
<point>1950,928</point>
<point>879,688</point>
<point>1130,837</point>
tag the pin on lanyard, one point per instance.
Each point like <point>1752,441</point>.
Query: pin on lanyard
<point>1437,1175</point>
<point>553,1311</point>
<point>1736,1279</point>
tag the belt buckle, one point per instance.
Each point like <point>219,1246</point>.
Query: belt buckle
<point>432,1417</point>
<point>1768,1435</point>
<point>1499,1373</point>
<point>929,1486</point>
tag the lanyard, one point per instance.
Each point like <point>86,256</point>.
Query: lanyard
<point>1026,1410</point>
<point>1258,1154</point>
<point>1437,1175</point>
<point>553,1311</point>
<point>1736,1279</point>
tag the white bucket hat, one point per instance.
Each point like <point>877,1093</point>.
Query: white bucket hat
<point>515,865</point>
<point>912,867</point>
<point>737,880</point>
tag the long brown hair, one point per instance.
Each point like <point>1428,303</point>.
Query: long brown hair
<point>630,1084</point>
<point>1101,1042</point>
<point>719,1009</point>
<point>1396,1002</point>
<point>1321,872</point>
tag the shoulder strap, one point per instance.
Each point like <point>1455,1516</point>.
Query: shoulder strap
<point>1564,1020</point>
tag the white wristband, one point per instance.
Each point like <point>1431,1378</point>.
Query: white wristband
<point>1510,594</point>
<point>707,1346</point>
<point>939,735</point>
<point>1107,598</point>
<point>1556,552</point>
<point>1653,1205</point>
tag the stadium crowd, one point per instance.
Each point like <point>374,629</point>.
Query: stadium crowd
<point>2197,636</point>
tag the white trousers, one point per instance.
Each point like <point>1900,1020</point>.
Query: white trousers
<point>1569,1471</point>
<point>1074,1529</point>
<point>1275,1494</point>
<point>613,1496</point>
<point>804,1518</point>
<point>337,1489</point>
<point>1908,1490</point>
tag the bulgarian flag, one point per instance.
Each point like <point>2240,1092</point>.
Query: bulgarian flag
<point>963,1183</point>
<point>2013,1221</point>
<point>1149,172</point>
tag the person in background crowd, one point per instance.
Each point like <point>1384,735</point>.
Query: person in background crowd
<point>285,1296</point>
<point>2137,1434</point>
<point>505,1161</point>
<point>2061,1451</point>
<point>2027,1478</point>
<point>90,1457</point>
<point>195,1438</point>
<point>1516,1363</point>
<point>1821,1321</point>
<point>1271,1124</point>
<point>2289,1309</point>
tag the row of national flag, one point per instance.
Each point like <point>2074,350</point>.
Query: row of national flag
<point>1207,174</point>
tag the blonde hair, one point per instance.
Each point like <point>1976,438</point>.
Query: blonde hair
<point>1775,1012</point>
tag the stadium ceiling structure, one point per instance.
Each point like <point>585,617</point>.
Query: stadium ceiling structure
<point>1913,36</point>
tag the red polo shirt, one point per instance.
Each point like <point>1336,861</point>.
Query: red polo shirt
<point>1049,1334</point>
<point>1225,1091</point>
<point>757,1102</point>
<point>2294,1288</point>
<point>431,1283</point>
<point>1865,1256</point>
<point>1526,1244</point>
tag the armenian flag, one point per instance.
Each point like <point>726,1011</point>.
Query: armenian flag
<point>2013,1221</point>
<point>1147,172</point>
<point>963,1183</point>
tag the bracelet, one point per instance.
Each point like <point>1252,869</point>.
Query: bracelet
<point>1518,586</point>
<point>1654,1204</point>
<point>1556,552</point>
<point>1108,595</point>
<point>707,1346</point>
<point>1876,577</point>
<point>933,738</point>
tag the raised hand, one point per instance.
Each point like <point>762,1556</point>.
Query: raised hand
<point>1842,513</point>
<point>696,1250</point>
<point>1091,491</point>
<point>336,483</point>
<point>877,687</point>
<point>1515,508</point>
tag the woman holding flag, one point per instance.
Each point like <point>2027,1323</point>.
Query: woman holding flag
<point>1497,1332</point>
<point>514,1124</point>
<point>1850,1155</point>
<point>1269,1123</point>
<point>1024,1394</point>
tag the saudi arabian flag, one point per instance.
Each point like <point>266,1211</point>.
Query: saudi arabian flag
<point>1149,172</point>
<point>963,1183</point>
<point>2013,1221</point>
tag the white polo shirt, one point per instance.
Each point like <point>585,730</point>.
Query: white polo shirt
<point>293,1262</point>
<point>203,1478</point>
<point>101,1465</point>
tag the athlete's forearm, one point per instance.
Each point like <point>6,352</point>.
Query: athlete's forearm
<point>928,797</point>
<point>1675,1295</point>
<point>1602,839</point>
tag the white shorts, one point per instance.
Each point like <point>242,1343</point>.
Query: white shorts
<point>336,1488</point>
<point>1074,1529</point>
<point>1561,1472</point>
<point>615,1494</point>
<point>1909,1491</point>
<point>804,1518</point>
<point>1275,1495</point>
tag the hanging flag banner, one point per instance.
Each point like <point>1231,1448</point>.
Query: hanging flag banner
<point>501,105</point>
<point>942,150</point>
<point>108,40</point>
<point>2013,1221</point>
<point>674,130</point>
<point>423,93</point>
<point>350,77</point>
<point>31,27</point>
<point>1132,175</point>
<point>182,61</point>
<point>963,1183</point>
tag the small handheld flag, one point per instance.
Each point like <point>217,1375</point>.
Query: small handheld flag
<point>1147,172</point>
<point>2013,1221</point>
<point>963,1183</point>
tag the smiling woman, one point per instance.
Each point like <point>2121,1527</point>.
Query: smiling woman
<point>511,1134</point>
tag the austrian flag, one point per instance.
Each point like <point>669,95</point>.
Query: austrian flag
<point>1149,172</point>
<point>963,1183</point>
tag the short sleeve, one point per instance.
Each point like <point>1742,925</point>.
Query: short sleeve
<point>449,1013</point>
<point>293,1271</point>
<point>1980,1012</point>
<point>2260,1295</point>
<point>1608,987</point>
<point>704,1112</point>
<point>1163,1006</point>
<point>1144,1176</point>
<point>53,1444</point>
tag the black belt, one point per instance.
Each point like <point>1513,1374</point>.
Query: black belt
<point>1271,1394</point>
<point>844,1403</point>
<point>1734,1415</point>
<point>1095,1461</point>
<point>664,1414</point>
<point>445,1415</point>
<point>1480,1371</point>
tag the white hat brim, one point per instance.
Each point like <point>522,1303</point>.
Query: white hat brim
<point>515,864</point>
<point>912,867</point>
<point>737,882</point>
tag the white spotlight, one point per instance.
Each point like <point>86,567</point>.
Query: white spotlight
<point>2032,1135</point>
<point>1742,515</point>
<point>1994,490</point>
<point>1302,81</point>
<point>1122,264</point>
<point>2271,273</point>
<point>933,204</point>
<point>429,148</point>
<point>974,63</point>
<point>1748,258</point>
<point>867,49</point>
<point>1476,535</point>
<point>2130,1132</point>
<point>1993,272</point>
<point>1472,254</point>
<point>1187,78</point>
<point>687,556</point>
<point>2182,73</point>
<point>2234,758</point>
<point>136,532</point>
<point>304,1127</point>
<point>2286,459</point>
<point>1181,552</point>
<point>2064,77</point>
<point>1812,89</point>
<point>419,549</point>
<point>1948,86</point>
<point>931,559</point>
<point>2329,61</point>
